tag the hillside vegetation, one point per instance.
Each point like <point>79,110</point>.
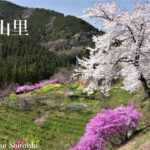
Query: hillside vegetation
<point>56,117</point>
<point>54,41</point>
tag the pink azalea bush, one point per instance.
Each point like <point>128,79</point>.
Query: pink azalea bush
<point>54,81</point>
<point>90,142</point>
<point>114,126</point>
<point>26,88</point>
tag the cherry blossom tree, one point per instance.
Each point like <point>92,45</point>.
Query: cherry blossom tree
<point>129,60</point>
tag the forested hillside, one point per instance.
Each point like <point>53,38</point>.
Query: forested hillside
<point>54,41</point>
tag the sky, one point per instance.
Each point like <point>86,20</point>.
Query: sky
<point>71,7</point>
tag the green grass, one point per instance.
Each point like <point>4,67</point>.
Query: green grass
<point>58,132</point>
<point>63,126</point>
<point>73,86</point>
<point>62,129</point>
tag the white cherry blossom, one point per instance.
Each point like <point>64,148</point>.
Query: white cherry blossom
<point>129,60</point>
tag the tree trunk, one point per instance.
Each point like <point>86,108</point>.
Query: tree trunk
<point>145,86</point>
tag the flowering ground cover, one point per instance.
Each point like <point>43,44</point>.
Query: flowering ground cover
<point>50,87</point>
<point>27,88</point>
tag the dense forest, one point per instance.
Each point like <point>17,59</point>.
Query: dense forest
<point>23,62</point>
<point>54,41</point>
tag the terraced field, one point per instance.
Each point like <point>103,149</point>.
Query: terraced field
<point>65,120</point>
<point>65,116</point>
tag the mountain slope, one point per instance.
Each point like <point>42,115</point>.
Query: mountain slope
<point>50,28</point>
<point>54,41</point>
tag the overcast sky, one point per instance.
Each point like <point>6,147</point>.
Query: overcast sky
<point>71,7</point>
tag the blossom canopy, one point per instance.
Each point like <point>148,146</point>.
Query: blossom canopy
<point>129,59</point>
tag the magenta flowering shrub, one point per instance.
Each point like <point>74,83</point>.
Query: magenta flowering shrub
<point>90,142</point>
<point>26,88</point>
<point>114,126</point>
<point>54,81</point>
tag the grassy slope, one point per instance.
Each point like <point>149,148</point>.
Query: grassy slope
<point>63,126</point>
